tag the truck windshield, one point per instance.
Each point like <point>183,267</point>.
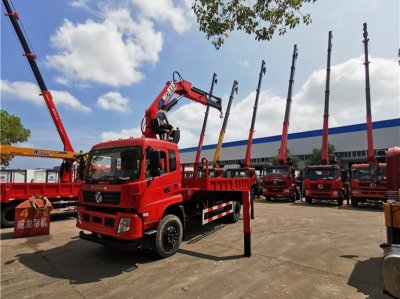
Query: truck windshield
<point>364,174</point>
<point>276,171</point>
<point>322,174</point>
<point>114,165</point>
<point>237,173</point>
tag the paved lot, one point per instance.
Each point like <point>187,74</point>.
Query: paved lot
<point>299,251</point>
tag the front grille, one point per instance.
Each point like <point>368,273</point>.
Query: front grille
<point>111,198</point>
<point>321,187</point>
<point>109,222</point>
<point>275,183</point>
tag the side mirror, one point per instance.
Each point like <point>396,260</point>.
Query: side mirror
<point>155,163</point>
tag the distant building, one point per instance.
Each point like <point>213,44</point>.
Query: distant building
<point>350,143</point>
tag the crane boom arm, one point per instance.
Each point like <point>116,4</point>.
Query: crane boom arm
<point>9,150</point>
<point>253,120</point>
<point>203,129</point>
<point>224,124</point>
<point>283,148</point>
<point>371,155</point>
<point>183,89</point>
<point>324,151</point>
<point>48,98</point>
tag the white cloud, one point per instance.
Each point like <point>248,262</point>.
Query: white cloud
<point>125,133</point>
<point>80,3</point>
<point>347,105</point>
<point>113,101</point>
<point>28,91</point>
<point>180,16</point>
<point>109,52</point>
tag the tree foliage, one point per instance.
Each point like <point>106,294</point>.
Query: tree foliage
<point>217,18</point>
<point>316,155</point>
<point>12,131</point>
<point>295,159</point>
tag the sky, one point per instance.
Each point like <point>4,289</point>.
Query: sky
<point>105,62</point>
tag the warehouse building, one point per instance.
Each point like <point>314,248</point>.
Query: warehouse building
<point>350,143</point>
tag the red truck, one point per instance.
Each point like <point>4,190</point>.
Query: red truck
<point>325,182</point>
<point>367,186</point>
<point>63,194</point>
<point>280,181</point>
<point>144,198</point>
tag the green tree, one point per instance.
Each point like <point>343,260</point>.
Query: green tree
<point>316,155</point>
<point>217,18</point>
<point>12,131</point>
<point>295,159</point>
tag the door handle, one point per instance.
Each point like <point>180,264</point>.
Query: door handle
<point>166,190</point>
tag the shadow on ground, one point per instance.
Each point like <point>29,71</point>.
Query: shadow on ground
<point>366,277</point>
<point>84,262</point>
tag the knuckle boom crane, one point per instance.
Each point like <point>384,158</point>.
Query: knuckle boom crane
<point>142,195</point>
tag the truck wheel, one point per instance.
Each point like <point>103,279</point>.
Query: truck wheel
<point>234,217</point>
<point>309,200</point>
<point>268,198</point>
<point>294,197</point>
<point>354,202</point>
<point>8,215</point>
<point>340,201</point>
<point>168,237</point>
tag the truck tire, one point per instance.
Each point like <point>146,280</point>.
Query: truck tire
<point>169,236</point>
<point>268,198</point>
<point>235,216</point>
<point>8,215</point>
<point>294,197</point>
<point>340,201</point>
<point>354,202</point>
<point>309,200</point>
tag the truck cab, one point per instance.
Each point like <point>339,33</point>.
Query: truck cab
<point>324,182</point>
<point>127,197</point>
<point>366,186</point>
<point>280,182</point>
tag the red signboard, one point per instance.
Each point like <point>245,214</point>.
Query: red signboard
<point>32,218</point>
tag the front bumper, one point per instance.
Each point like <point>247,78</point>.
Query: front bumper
<point>114,242</point>
<point>106,224</point>
<point>277,192</point>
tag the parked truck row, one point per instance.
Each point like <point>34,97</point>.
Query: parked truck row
<point>134,191</point>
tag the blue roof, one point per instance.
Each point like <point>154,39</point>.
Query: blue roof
<point>307,134</point>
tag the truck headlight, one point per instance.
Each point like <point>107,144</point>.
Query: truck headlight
<point>265,190</point>
<point>307,192</point>
<point>286,190</point>
<point>124,225</point>
<point>335,193</point>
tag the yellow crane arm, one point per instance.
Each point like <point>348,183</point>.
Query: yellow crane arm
<point>9,150</point>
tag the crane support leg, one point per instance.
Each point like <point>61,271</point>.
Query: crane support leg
<point>246,223</point>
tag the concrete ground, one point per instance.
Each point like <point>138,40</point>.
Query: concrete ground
<point>298,251</point>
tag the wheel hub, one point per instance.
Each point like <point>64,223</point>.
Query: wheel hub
<point>171,235</point>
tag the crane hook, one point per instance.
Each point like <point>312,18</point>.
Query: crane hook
<point>222,114</point>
